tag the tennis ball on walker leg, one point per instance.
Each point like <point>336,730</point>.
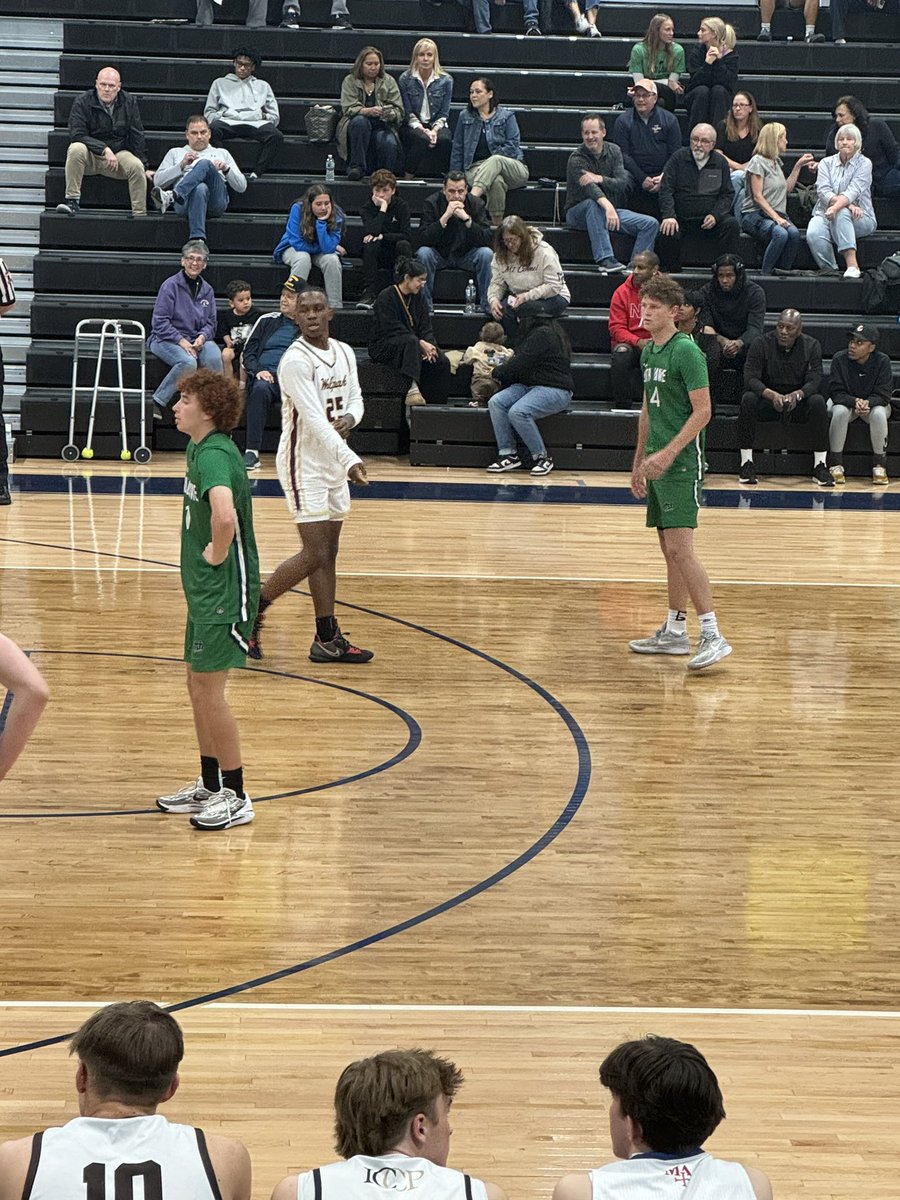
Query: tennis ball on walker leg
<point>125,455</point>
<point>87,452</point>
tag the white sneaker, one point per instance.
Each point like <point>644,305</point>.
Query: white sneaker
<point>711,648</point>
<point>582,24</point>
<point>224,809</point>
<point>162,198</point>
<point>853,273</point>
<point>189,799</point>
<point>662,642</point>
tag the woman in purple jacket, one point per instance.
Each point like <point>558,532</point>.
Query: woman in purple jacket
<point>313,235</point>
<point>183,330</point>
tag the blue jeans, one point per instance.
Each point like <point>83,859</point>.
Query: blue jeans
<point>203,192</point>
<point>781,241</point>
<point>552,306</point>
<point>739,183</point>
<point>371,145</point>
<point>823,235</point>
<point>589,215</point>
<point>478,261</point>
<point>481,11</point>
<point>260,394</point>
<point>515,411</point>
<point>182,364</point>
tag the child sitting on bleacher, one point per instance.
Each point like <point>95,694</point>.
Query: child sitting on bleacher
<point>488,352</point>
<point>234,326</point>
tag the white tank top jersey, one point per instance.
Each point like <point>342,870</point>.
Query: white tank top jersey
<point>365,1178</point>
<point>140,1158</point>
<point>317,386</point>
<point>694,1177</point>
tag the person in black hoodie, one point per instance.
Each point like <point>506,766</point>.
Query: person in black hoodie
<point>536,382</point>
<point>455,231</point>
<point>713,67</point>
<point>860,385</point>
<point>735,310</point>
<point>403,336</point>
<point>386,231</point>
<point>271,336</point>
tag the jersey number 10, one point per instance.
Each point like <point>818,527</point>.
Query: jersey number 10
<point>126,1173</point>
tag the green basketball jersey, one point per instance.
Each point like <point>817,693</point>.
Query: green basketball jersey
<point>229,592</point>
<point>670,372</point>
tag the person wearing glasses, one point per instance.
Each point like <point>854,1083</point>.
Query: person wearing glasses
<point>183,329</point>
<point>696,196</point>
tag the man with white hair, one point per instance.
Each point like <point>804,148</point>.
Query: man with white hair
<point>696,196</point>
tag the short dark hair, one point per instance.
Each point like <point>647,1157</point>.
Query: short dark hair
<point>455,177</point>
<point>695,299</point>
<point>594,116</point>
<point>663,288</point>
<point>667,1088</point>
<point>247,52</point>
<point>376,1097</point>
<point>131,1049</point>
<point>218,395</point>
<point>413,267</point>
<point>196,119</point>
<point>383,178</point>
<point>234,287</point>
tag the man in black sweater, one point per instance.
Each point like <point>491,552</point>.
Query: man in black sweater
<point>696,196</point>
<point>783,381</point>
<point>386,232</point>
<point>860,383</point>
<point>455,231</point>
<point>106,137</point>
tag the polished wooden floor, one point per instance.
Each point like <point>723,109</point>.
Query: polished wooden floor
<point>632,839</point>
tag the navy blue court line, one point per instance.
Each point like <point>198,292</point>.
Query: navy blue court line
<point>575,801</point>
<point>831,500</point>
<point>413,741</point>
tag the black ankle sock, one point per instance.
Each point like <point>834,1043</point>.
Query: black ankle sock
<point>234,780</point>
<point>326,628</point>
<point>209,770</point>
<point>263,605</point>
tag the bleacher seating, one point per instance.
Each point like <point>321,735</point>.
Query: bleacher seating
<point>102,263</point>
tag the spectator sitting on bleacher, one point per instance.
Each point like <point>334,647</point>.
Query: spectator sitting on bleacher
<point>843,211</point>
<point>713,64</point>
<point>454,231</point>
<point>312,235</point>
<point>234,325</point>
<point>106,137</point>
<point>488,352</point>
<point>878,144</point>
<point>840,9</point>
<point>627,336</point>
<point>403,336</point>
<point>690,321</point>
<point>271,336</point>
<point>241,106</point>
<point>196,180</point>
<point>648,136</point>
<point>386,232</point>
<point>764,211</point>
<point>526,277</point>
<point>810,16</point>
<point>487,148</point>
<point>426,90</point>
<point>256,12</point>
<point>661,58</point>
<point>783,382</point>
<point>734,310</point>
<point>183,329</point>
<point>371,115</point>
<point>536,13</point>
<point>596,186</point>
<point>696,196</point>
<point>736,138</point>
<point>860,388</point>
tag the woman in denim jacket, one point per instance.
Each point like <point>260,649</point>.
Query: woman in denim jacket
<point>426,90</point>
<point>486,146</point>
<point>843,211</point>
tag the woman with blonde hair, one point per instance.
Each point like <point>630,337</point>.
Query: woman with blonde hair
<point>426,90</point>
<point>764,210</point>
<point>526,276</point>
<point>713,64</point>
<point>843,211</point>
<point>661,58</point>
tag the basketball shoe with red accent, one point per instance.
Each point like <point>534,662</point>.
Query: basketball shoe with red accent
<point>338,650</point>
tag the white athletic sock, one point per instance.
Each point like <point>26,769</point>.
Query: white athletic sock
<point>676,621</point>
<point>810,30</point>
<point>708,625</point>
<point>766,26</point>
<point>746,456</point>
<point>819,456</point>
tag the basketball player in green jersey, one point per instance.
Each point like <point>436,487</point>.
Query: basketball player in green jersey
<point>668,470</point>
<point>220,576</point>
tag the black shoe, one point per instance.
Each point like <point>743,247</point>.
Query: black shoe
<point>354,174</point>
<point>366,300</point>
<point>611,266</point>
<point>69,206</point>
<point>822,476</point>
<point>764,36</point>
<point>5,497</point>
<point>507,462</point>
<point>533,31</point>
<point>341,21</point>
<point>338,650</point>
<point>290,18</point>
<point>815,39</point>
<point>747,473</point>
<point>254,650</point>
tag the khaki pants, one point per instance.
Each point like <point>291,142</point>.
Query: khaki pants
<point>80,162</point>
<point>497,175</point>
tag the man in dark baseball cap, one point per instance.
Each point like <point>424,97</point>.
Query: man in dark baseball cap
<point>860,386</point>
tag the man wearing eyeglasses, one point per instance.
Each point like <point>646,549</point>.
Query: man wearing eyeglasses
<point>696,196</point>
<point>183,329</point>
<point>106,137</point>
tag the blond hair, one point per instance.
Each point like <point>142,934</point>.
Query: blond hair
<point>420,45</point>
<point>769,137</point>
<point>723,33</point>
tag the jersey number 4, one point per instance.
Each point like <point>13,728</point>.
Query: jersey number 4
<point>333,408</point>
<point>126,1173</point>
<point>654,399</point>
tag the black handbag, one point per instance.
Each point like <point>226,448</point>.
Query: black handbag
<point>321,121</point>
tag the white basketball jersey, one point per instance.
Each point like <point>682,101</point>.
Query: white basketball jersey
<point>317,386</point>
<point>137,1158</point>
<point>365,1178</point>
<point>697,1177</point>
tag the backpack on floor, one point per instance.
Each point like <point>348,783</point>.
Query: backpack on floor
<point>881,286</point>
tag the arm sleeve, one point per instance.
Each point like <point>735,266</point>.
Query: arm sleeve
<point>169,172</point>
<point>270,108</point>
<point>211,107</point>
<point>456,149</point>
<point>253,348</point>
<point>295,378</point>
<point>137,140</point>
<point>755,367</point>
<point>636,60</point>
<point>673,134</point>
<point>511,144</point>
<point>552,278</point>
<point>163,310</point>
<point>574,168</point>
<point>208,328</point>
<point>666,194</point>
<point>839,382</point>
<point>328,241</point>
<point>883,384</point>
<point>813,381</point>
<point>353,401</point>
<point>440,114</point>
<point>756,317</point>
<point>860,186</point>
<point>431,231</point>
<point>615,179</point>
<point>235,178</point>
<point>618,321</point>
<point>725,199</point>
<point>79,129</point>
<point>393,103</point>
<point>350,101</point>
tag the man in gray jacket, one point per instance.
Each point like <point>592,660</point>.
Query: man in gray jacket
<point>241,106</point>
<point>596,184</point>
<point>196,179</point>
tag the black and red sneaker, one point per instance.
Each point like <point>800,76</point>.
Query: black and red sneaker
<point>338,650</point>
<point>254,647</point>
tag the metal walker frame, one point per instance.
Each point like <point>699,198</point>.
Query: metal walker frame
<point>91,338</point>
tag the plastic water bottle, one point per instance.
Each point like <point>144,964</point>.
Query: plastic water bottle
<point>471,298</point>
<point>329,169</point>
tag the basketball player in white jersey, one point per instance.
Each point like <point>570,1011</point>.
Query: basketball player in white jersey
<point>321,402</point>
<point>665,1103</point>
<point>392,1129</point>
<point>128,1056</point>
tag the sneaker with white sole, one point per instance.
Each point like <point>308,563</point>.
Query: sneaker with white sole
<point>662,642</point>
<point>338,650</point>
<point>837,474</point>
<point>223,810</point>
<point>542,466</point>
<point>879,476</point>
<point>822,476</point>
<point>711,648</point>
<point>189,799</point>
<point>582,24</point>
<point>162,199</point>
<point>506,462</point>
<point>853,273</point>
